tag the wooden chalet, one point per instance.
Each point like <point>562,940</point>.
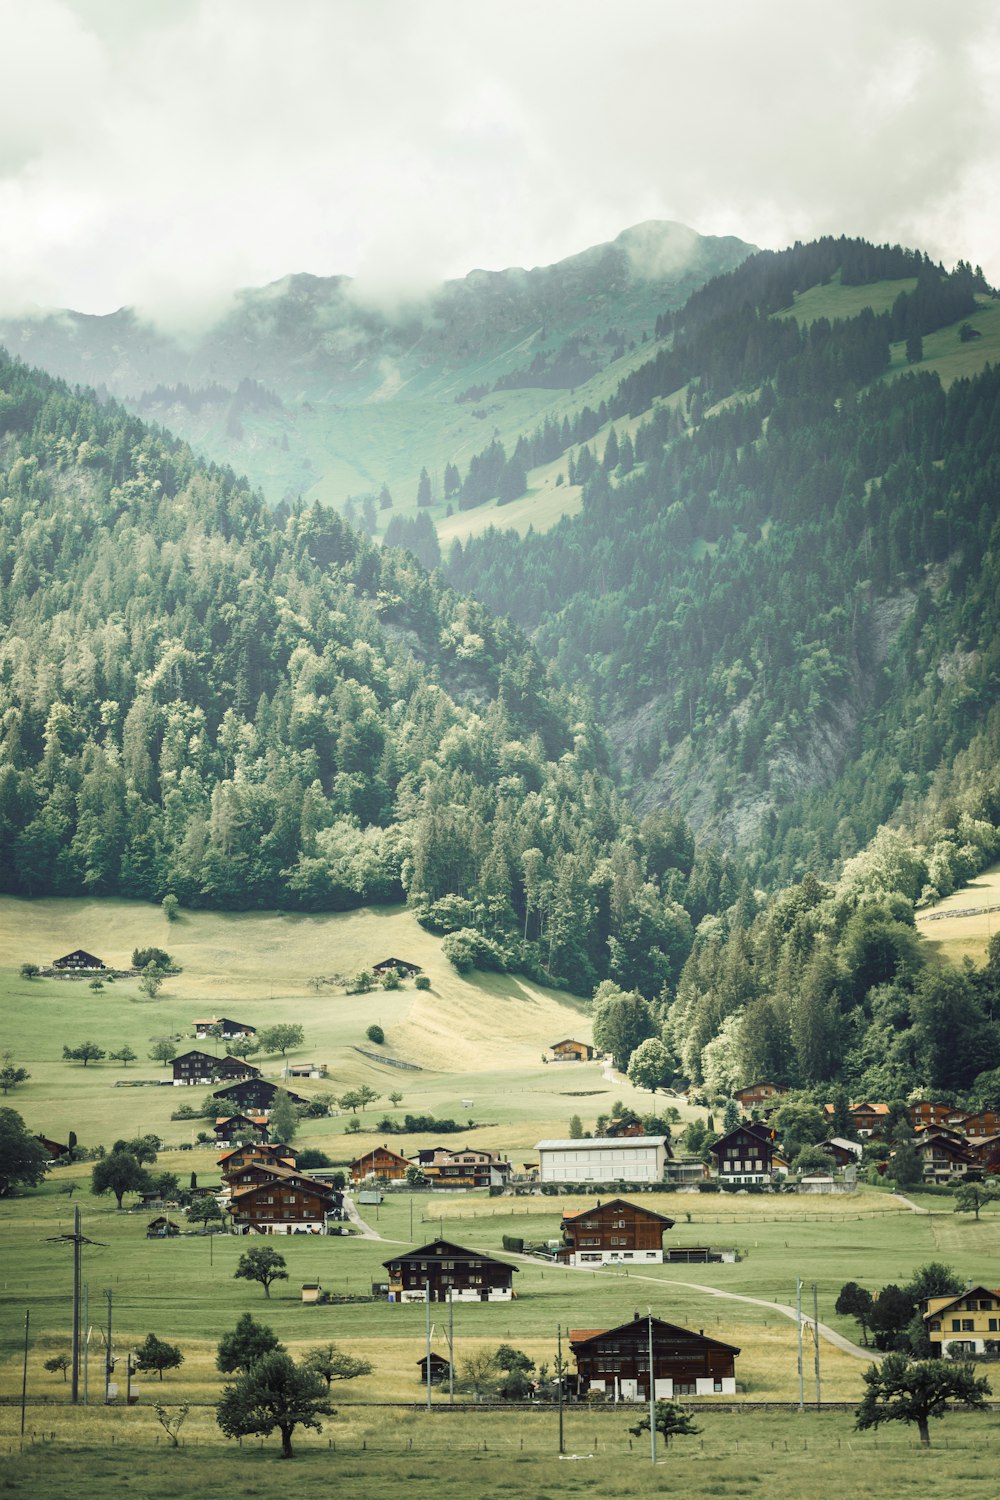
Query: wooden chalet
<point>628,1125</point>
<point>197,1067</point>
<point>460,1168</point>
<point>614,1362</point>
<point>233,1130</point>
<point>162,1228</point>
<point>754,1095</point>
<point>745,1155</point>
<point>925,1113</point>
<point>613,1233</point>
<point>289,1203</point>
<point>569,1050</point>
<point>985,1152</point>
<point>845,1153</point>
<point>984,1123</point>
<point>869,1119</point>
<point>229,1030</point>
<point>442,1269</point>
<point>943,1158</point>
<point>253,1095</point>
<point>54,1149</point>
<point>380,1162</point>
<point>79,959</point>
<point>965,1324</point>
<point>251,1152</point>
<point>400,964</point>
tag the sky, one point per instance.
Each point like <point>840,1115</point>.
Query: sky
<point>163,153</point>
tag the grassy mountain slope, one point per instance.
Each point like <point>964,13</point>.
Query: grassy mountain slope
<point>310,389</point>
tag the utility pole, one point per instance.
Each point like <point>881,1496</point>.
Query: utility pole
<point>427,1297</point>
<point>77,1260</point>
<point>816,1338</point>
<point>559,1382</point>
<point>451,1347</point>
<point>86,1339</point>
<point>109,1364</point>
<point>652,1396</point>
<point>24,1375</point>
<point>798,1317</point>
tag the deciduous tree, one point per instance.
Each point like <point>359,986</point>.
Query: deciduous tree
<point>273,1392</point>
<point>904,1390</point>
<point>261,1264</point>
<point>155,1354</point>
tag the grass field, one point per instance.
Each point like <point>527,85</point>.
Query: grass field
<point>962,925</point>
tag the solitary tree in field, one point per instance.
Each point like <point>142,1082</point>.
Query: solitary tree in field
<point>273,1392</point>
<point>10,1075</point>
<point>58,1362</point>
<point>124,1055</point>
<point>331,1364</point>
<point>366,1095</point>
<point>261,1264</point>
<point>671,1421</point>
<point>157,1355</point>
<point>395,1098</point>
<point>248,1342</point>
<point>163,1050</point>
<point>972,1196</point>
<point>171,1422</point>
<point>280,1038</point>
<point>905,1390</point>
<point>650,1065</point>
<point>119,1173</point>
<point>205,1211</point>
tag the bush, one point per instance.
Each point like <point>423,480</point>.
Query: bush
<point>422,982</point>
<point>141,957</point>
<point>470,949</point>
<point>708,1187</point>
<point>375,1034</point>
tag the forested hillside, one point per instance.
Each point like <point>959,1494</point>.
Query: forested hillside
<point>782,589</point>
<point>204,699</point>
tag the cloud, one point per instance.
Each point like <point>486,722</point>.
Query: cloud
<point>163,155</point>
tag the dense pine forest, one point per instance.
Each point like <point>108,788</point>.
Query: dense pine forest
<point>781,598</point>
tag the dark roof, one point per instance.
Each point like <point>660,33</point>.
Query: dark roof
<point>612,1203</point>
<point>79,957</point>
<point>239,1088</point>
<point>395,963</point>
<point>638,1328</point>
<point>445,1250</point>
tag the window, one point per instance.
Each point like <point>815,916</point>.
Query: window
<point>985,1304</point>
<point>935,1325</point>
<point>994,1325</point>
<point>956,1325</point>
<point>968,1325</point>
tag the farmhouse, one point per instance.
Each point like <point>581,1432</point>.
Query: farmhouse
<point>253,1095</point>
<point>196,1067</point>
<point>615,1361</point>
<point>380,1162</point>
<point>942,1157</point>
<point>229,1030</point>
<point>242,1156</point>
<point>569,1051</point>
<point>613,1233</point>
<point>400,964</point>
<point>462,1168</point>
<point>926,1112</point>
<point>604,1159</point>
<point>233,1130</point>
<point>162,1229</point>
<point>78,959</point>
<point>441,1268</point>
<point>627,1124</point>
<point>744,1156</point>
<point>287,1204</point>
<point>755,1094</point>
<point>964,1324</point>
<point>55,1149</point>
<point>986,1122</point>
<point>845,1153</point>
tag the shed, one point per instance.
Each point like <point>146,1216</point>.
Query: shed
<point>311,1291</point>
<point>440,1368</point>
<point>162,1229</point>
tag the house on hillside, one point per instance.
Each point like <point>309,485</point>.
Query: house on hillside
<point>253,1096</point>
<point>462,1168</point>
<point>79,959</point>
<point>614,1362</point>
<point>234,1130</point>
<point>613,1233</point>
<point>440,1368</point>
<point>196,1067</point>
<point>627,1125</point>
<point>925,1113</point>
<point>407,970</point>
<point>744,1156</point>
<point>442,1269</point>
<point>306,1070</point>
<point>604,1159</point>
<point>246,1155</point>
<point>985,1122</point>
<point>754,1095</point>
<point>55,1149</point>
<point>869,1119</point>
<point>845,1153</point>
<point>229,1030</point>
<point>943,1158</point>
<point>162,1228</point>
<point>985,1152</point>
<point>379,1162</point>
<point>569,1050</point>
<point>963,1325</point>
<point>288,1203</point>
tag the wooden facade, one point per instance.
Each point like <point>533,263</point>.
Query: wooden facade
<point>400,964</point>
<point>253,1095</point>
<point>570,1051</point>
<point>444,1268</point>
<point>247,1155</point>
<point>380,1162</point>
<point>287,1204</point>
<point>926,1112</point>
<point>462,1168</point>
<point>79,959</point>
<point>196,1067</point>
<point>942,1157</point>
<point>986,1122</point>
<point>229,1030</point>
<point>617,1232</point>
<point>755,1094</point>
<point>234,1130</point>
<point>614,1362</point>
<point>744,1156</point>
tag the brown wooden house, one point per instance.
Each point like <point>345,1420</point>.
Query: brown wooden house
<point>942,1157</point>
<point>233,1130</point>
<point>253,1095</point>
<point>229,1030</point>
<point>55,1149</point>
<point>399,964</point>
<point>380,1162</point>
<point>985,1122</point>
<point>197,1067</point>
<point>253,1151</point>
<point>460,1168</point>
<point>569,1050</point>
<point>440,1368</point>
<point>616,1232</point>
<point>444,1268</point>
<point>614,1362</point>
<point>282,1206</point>
<point>744,1156</point>
<point>756,1094</point>
<point>79,959</point>
<point>925,1113</point>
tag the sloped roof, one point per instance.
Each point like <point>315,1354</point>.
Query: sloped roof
<point>640,1325</point>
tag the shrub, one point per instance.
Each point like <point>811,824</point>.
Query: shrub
<point>375,1034</point>
<point>142,957</point>
<point>422,982</point>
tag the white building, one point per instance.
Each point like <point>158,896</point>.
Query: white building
<point>634,1158</point>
